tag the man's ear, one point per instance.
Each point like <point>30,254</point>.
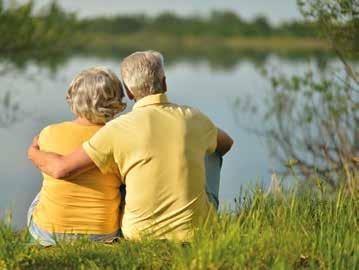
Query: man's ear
<point>164,85</point>
<point>128,93</point>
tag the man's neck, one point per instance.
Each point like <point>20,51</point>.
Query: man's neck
<point>136,99</point>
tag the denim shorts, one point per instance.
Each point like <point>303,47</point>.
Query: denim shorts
<point>46,238</point>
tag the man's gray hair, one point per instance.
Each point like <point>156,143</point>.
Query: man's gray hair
<point>143,73</point>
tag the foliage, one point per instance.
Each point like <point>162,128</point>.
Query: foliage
<point>339,22</point>
<point>314,116</point>
<point>315,123</point>
<point>223,38</point>
<point>22,32</point>
<point>296,230</point>
<point>219,24</point>
<point>55,31</point>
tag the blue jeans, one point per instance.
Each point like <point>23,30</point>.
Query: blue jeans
<point>213,164</point>
<point>46,238</point>
<point>213,173</point>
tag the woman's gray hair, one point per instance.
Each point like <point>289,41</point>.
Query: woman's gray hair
<point>96,94</point>
<point>143,73</point>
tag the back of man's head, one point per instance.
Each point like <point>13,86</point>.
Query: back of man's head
<point>143,73</point>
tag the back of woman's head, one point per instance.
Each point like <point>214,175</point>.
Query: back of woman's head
<point>96,94</point>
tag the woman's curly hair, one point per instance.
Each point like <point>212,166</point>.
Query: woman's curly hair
<point>96,94</point>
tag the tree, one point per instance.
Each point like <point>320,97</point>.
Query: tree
<point>315,116</point>
<point>339,22</point>
<point>23,33</point>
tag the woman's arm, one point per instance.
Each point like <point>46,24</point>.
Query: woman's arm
<point>59,166</point>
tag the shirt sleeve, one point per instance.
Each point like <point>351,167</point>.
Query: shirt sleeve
<point>100,149</point>
<point>210,135</point>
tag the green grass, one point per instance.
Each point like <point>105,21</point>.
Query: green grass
<point>292,230</point>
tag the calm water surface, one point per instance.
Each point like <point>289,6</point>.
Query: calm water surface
<point>34,98</point>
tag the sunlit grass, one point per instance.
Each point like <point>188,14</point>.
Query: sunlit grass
<point>292,230</point>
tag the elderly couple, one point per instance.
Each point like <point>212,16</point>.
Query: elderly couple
<point>166,159</point>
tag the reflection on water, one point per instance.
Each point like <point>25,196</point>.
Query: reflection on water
<point>9,110</point>
<point>40,92</point>
<point>219,58</point>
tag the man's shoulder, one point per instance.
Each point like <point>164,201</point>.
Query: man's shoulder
<point>119,119</point>
<point>132,117</point>
<point>185,108</point>
<point>122,120</point>
<point>193,112</point>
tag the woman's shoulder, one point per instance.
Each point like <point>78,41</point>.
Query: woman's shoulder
<point>64,134</point>
<point>71,128</point>
<point>55,126</point>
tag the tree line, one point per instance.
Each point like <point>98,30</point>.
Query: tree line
<point>218,23</point>
<point>53,29</point>
<point>22,32</point>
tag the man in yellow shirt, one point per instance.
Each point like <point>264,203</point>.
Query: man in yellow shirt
<point>158,149</point>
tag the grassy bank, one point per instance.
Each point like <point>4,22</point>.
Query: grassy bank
<point>303,230</point>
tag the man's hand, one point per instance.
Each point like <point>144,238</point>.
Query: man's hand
<point>35,142</point>
<point>31,152</point>
<point>59,166</point>
<point>224,142</point>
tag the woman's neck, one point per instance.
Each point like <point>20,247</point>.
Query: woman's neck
<point>84,122</point>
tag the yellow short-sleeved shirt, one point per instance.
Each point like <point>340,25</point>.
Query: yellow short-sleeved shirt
<point>89,202</point>
<point>159,149</point>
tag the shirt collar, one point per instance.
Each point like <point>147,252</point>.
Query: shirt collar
<point>151,100</point>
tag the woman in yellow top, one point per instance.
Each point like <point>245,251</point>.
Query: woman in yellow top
<point>89,203</point>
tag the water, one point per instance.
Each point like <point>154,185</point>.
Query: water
<point>33,98</point>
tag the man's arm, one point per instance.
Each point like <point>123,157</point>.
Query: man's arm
<point>59,166</point>
<point>224,142</point>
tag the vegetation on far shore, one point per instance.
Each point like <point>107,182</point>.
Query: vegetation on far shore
<point>52,30</point>
<point>292,230</point>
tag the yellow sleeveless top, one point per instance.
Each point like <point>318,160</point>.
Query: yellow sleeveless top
<point>89,202</point>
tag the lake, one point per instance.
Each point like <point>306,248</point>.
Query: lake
<point>34,96</point>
